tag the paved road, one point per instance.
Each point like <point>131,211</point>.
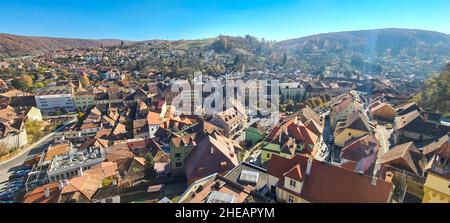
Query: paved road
<point>383,135</point>
<point>7,167</point>
<point>327,147</point>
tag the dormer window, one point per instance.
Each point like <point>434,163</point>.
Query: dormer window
<point>292,183</point>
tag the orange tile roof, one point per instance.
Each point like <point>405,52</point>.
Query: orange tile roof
<point>331,184</point>
<point>406,156</point>
<point>105,169</point>
<point>87,185</point>
<point>38,195</point>
<point>153,118</point>
<point>56,150</point>
<point>140,160</point>
<point>210,156</point>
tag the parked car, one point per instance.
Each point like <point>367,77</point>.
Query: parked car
<point>23,173</point>
<point>7,202</point>
<point>14,176</point>
<point>23,167</point>
<point>13,189</point>
<point>7,197</point>
<point>16,183</point>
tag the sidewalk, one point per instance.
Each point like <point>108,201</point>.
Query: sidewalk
<point>32,146</point>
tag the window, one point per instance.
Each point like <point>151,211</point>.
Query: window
<point>178,164</point>
<point>292,183</point>
<point>177,155</point>
<point>268,155</point>
<point>290,199</point>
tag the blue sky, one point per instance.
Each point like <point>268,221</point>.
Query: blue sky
<point>177,19</point>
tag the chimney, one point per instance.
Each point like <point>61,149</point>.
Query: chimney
<point>80,171</point>
<point>47,192</point>
<point>389,176</point>
<point>373,181</point>
<point>61,185</point>
<point>308,167</point>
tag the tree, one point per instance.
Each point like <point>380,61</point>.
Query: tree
<point>284,61</point>
<point>435,94</point>
<point>323,99</point>
<point>317,102</point>
<point>348,74</point>
<point>237,60</point>
<point>34,129</point>
<point>282,99</point>
<point>27,79</point>
<point>24,82</point>
<point>149,171</point>
<point>40,85</point>
<point>19,84</point>
<point>85,81</point>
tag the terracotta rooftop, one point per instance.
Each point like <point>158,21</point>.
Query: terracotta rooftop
<point>57,150</point>
<point>210,156</point>
<point>404,156</point>
<point>104,169</point>
<point>38,194</point>
<point>331,184</point>
<point>153,118</point>
<point>435,145</point>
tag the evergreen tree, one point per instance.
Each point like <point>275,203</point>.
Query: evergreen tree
<point>149,171</point>
<point>284,61</point>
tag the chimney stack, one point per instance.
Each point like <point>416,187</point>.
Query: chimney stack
<point>373,181</point>
<point>61,185</point>
<point>308,167</point>
<point>47,192</point>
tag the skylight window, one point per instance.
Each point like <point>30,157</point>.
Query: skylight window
<point>220,197</point>
<point>249,176</point>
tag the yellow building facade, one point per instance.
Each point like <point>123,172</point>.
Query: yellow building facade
<point>436,189</point>
<point>347,134</point>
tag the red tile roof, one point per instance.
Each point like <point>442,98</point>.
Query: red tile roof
<point>331,184</point>
<point>294,173</point>
<point>303,134</point>
<point>211,156</point>
<point>38,194</point>
<point>153,118</point>
<point>404,156</point>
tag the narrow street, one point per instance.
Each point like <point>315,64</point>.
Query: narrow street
<point>382,135</point>
<point>7,167</point>
<point>325,150</point>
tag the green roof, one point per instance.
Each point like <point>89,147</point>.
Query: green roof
<point>272,147</point>
<point>255,130</point>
